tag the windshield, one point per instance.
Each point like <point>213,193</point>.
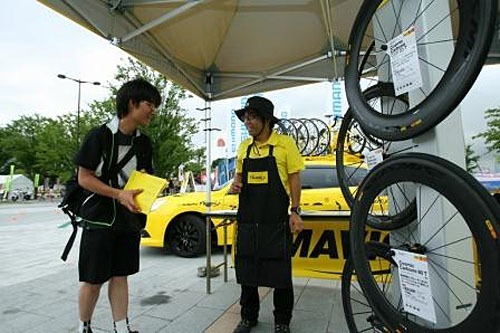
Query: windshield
<point>218,187</point>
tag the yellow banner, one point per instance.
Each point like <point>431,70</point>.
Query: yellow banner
<point>320,250</point>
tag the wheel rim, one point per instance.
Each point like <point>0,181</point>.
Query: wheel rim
<point>452,74</point>
<point>471,299</point>
<point>185,237</point>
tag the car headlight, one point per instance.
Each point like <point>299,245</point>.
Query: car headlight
<point>158,202</point>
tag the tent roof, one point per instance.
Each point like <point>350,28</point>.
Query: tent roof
<point>225,48</point>
<point>4,178</point>
<point>240,47</point>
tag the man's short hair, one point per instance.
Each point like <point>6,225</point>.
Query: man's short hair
<point>137,90</point>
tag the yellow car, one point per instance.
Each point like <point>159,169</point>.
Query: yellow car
<point>176,222</point>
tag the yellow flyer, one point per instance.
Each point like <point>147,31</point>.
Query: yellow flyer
<point>151,187</point>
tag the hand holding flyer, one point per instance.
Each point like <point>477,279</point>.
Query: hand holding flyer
<point>151,186</point>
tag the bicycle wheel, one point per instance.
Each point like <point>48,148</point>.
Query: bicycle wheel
<point>313,136</point>
<point>302,134</point>
<point>351,163</point>
<point>286,127</point>
<point>324,137</point>
<point>461,249</point>
<point>358,312</point>
<point>452,65</point>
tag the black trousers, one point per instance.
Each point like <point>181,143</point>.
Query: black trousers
<point>282,300</point>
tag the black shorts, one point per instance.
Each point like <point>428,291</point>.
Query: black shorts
<point>108,252</point>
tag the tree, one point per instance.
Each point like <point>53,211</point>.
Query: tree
<point>37,144</point>
<point>492,134</point>
<point>56,148</point>
<point>471,159</point>
<point>18,141</point>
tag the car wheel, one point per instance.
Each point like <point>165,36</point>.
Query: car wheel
<point>186,237</point>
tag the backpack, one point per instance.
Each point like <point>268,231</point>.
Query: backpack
<point>75,195</point>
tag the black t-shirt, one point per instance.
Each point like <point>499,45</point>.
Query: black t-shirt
<point>94,148</point>
<point>95,154</point>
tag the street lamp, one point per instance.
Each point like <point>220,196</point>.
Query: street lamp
<point>95,83</point>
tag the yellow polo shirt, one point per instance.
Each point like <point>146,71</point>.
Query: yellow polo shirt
<point>288,158</point>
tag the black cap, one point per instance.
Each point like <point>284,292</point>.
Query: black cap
<point>260,105</point>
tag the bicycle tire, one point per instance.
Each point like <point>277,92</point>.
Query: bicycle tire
<point>475,20</point>
<point>312,136</point>
<point>285,126</point>
<point>302,134</point>
<point>480,215</point>
<point>324,137</point>
<point>351,163</point>
<point>358,312</point>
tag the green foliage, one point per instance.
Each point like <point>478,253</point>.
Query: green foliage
<point>471,159</point>
<point>37,144</point>
<point>19,141</point>
<point>492,134</point>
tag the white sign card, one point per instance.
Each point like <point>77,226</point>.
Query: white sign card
<point>374,157</point>
<point>405,65</point>
<point>415,284</point>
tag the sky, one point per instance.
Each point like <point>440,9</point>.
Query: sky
<point>37,44</point>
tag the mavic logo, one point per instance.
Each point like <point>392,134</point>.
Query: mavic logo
<point>331,243</point>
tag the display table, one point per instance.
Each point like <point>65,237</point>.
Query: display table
<point>330,225</point>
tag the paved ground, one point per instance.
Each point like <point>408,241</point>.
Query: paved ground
<point>38,292</point>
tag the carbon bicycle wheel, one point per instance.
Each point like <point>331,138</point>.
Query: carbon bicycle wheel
<point>434,71</point>
<point>351,158</point>
<point>456,233</point>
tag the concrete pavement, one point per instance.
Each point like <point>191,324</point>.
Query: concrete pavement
<point>38,292</point>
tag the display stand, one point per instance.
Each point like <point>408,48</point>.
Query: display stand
<point>445,140</point>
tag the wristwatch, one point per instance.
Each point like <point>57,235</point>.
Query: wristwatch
<point>296,210</point>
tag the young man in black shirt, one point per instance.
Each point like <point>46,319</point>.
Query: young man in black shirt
<point>109,247</point>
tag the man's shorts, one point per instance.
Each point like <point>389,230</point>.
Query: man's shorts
<point>108,252</point>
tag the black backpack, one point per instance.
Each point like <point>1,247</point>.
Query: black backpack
<point>75,195</point>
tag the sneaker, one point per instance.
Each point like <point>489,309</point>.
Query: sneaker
<point>281,328</point>
<point>87,328</point>
<point>245,326</point>
<point>128,327</point>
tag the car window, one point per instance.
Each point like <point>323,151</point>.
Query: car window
<point>218,187</point>
<point>321,176</point>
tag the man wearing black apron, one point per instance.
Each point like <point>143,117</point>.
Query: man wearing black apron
<point>268,180</point>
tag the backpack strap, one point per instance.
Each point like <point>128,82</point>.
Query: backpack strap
<point>71,240</point>
<point>106,137</point>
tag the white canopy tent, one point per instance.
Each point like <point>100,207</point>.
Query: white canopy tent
<point>225,48</point>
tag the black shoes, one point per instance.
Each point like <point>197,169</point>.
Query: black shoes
<point>245,326</point>
<point>281,328</point>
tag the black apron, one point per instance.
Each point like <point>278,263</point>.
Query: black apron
<point>263,239</point>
